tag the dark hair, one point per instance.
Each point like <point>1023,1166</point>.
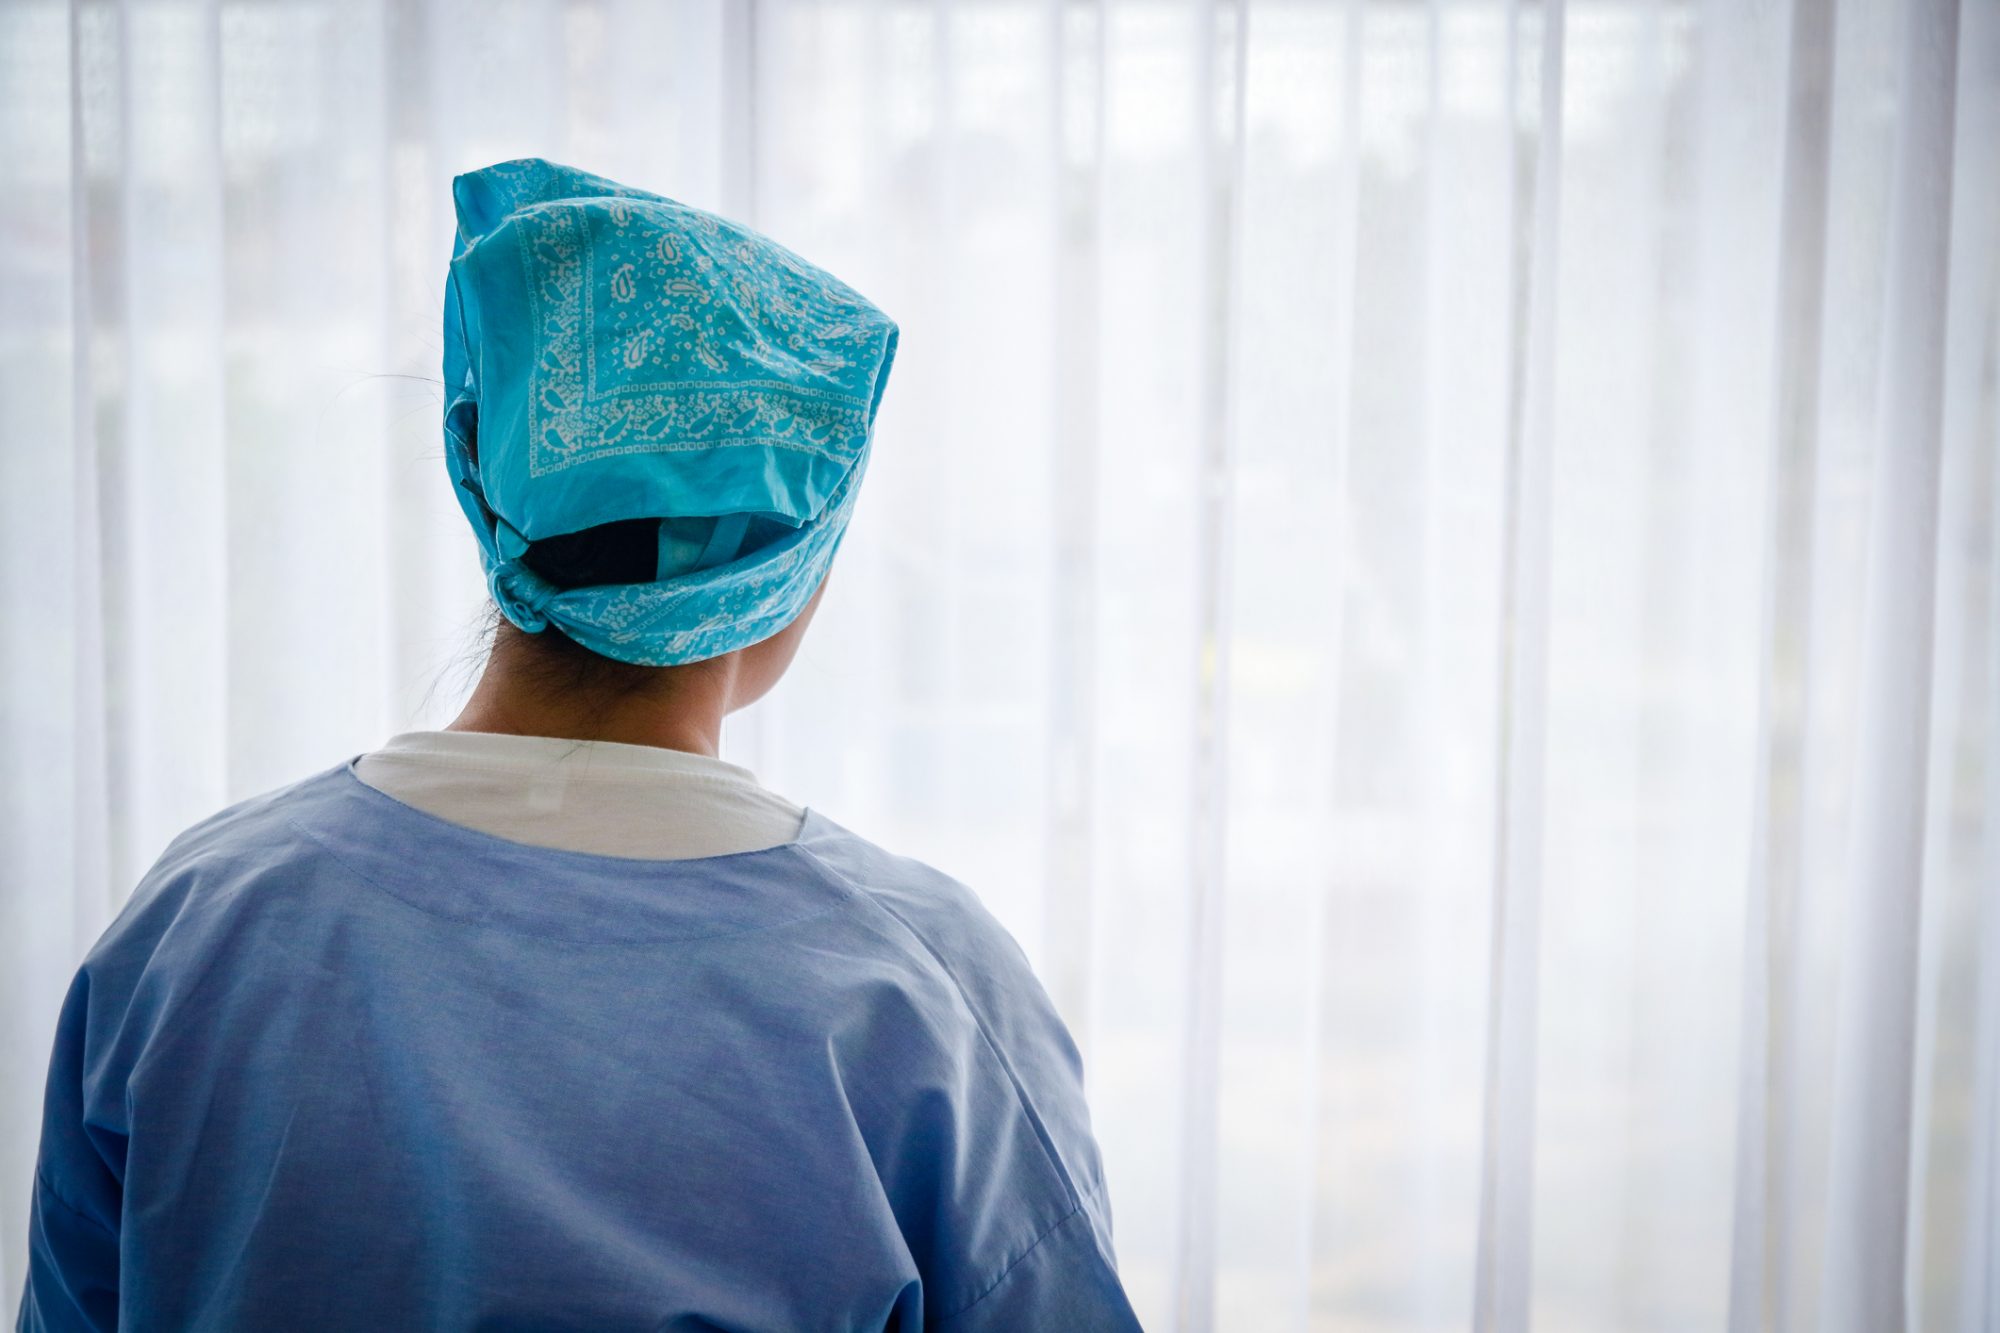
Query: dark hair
<point>626,551</point>
<point>558,665</point>
<point>621,552</point>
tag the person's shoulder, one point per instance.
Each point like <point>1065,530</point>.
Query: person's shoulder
<point>948,928</point>
<point>203,863</point>
<point>1017,1038</point>
<point>938,912</point>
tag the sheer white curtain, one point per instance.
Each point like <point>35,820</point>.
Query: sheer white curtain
<point>1435,562</point>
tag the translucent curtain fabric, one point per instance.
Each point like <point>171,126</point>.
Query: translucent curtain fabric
<point>1435,562</point>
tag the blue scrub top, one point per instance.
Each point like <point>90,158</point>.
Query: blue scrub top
<point>340,1064</point>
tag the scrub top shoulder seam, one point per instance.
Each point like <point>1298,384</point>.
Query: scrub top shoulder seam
<point>1074,1197</point>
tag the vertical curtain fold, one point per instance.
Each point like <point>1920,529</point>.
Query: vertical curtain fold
<point>1869,1193</point>
<point>1773,984</point>
<point>1324,731</point>
<point>94,894</point>
<point>1076,148</point>
<point>1945,1145</point>
<point>1977,1260</point>
<point>1218,92</point>
<point>1958,1250</point>
<point>1504,1275</point>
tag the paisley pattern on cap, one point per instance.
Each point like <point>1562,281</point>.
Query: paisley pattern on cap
<point>617,355</point>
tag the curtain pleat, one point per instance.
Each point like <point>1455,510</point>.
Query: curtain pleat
<point>166,537</point>
<point>1504,1276</point>
<point>1942,1239</point>
<point>1076,159</point>
<point>1323,1045</point>
<point>1954,1244</point>
<point>1970,1271</point>
<point>94,892</point>
<point>1772,987</point>
<point>1218,89</point>
<point>1869,1193</point>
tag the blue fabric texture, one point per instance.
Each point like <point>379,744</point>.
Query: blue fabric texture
<point>612,355</point>
<point>339,1064</point>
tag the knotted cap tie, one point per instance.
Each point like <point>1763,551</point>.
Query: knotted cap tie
<point>614,357</point>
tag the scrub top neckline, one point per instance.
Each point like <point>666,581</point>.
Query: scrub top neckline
<point>812,826</point>
<point>564,898</point>
<point>574,759</point>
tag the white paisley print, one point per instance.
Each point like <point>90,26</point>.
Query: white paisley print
<point>764,349</point>
<point>632,348</point>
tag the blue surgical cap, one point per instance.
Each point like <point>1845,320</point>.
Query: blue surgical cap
<point>611,357</point>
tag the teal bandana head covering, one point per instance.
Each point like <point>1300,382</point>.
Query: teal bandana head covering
<point>625,373</point>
